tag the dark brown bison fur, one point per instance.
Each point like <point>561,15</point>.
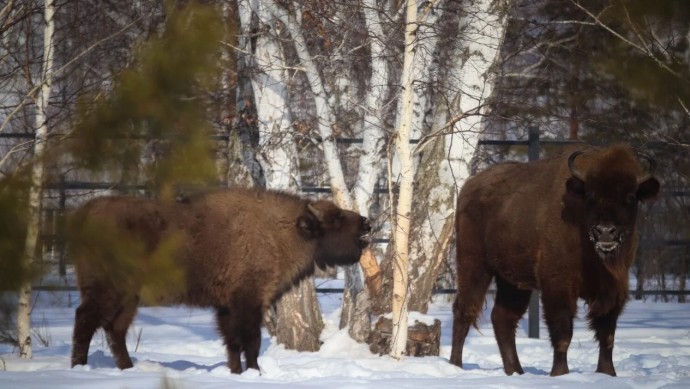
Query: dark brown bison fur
<point>238,250</point>
<point>565,225</point>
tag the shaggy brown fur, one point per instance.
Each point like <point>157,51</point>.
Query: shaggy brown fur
<point>239,251</point>
<point>569,232</point>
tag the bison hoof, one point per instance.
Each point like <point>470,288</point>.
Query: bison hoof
<point>610,371</point>
<point>511,371</point>
<point>556,371</point>
<point>125,365</point>
<point>457,361</point>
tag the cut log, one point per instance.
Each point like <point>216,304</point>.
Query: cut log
<point>422,339</point>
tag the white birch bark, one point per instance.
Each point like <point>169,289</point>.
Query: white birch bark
<point>426,44</point>
<point>403,213</point>
<point>298,321</point>
<point>467,87</point>
<point>223,146</point>
<point>484,28</point>
<point>372,123</point>
<point>339,189</point>
<point>278,155</point>
<point>35,192</point>
<point>354,313</point>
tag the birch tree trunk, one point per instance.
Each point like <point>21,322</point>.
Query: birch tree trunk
<point>446,159</point>
<point>372,124</point>
<point>36,189</point>
<point>339,190</point>
<point>355,301</point>
<point>297,322</point>
<point>227,103</point>
<point>422,68</point>
<point>244,167</point>
<point>404,206</point>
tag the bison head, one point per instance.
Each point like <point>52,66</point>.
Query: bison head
<point>340,235</point>
<point>611,183</point>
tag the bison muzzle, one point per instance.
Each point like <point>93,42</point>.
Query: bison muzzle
<point>565,225</point>
<point>238,250</point>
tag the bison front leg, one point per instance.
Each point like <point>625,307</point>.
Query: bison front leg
<point>604,327</point>
<point>559,312</point>
<point>241,331</point>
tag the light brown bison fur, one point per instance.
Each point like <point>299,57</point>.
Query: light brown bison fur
<point>238,250</point>
<point>539,225</point>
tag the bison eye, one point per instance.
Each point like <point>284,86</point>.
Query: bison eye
<point>337,221</point>
<point>630,199</point>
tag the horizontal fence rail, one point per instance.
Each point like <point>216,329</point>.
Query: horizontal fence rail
<point>449,291</point>
<point>533,144</point>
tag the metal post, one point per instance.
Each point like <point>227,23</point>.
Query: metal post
<point>533,315</point>
<point>61,227</point>
<point>533,139</point>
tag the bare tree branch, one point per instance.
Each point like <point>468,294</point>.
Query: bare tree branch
<point>641,48</point>
<point>31,95</point>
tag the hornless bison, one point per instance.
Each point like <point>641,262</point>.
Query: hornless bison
<point>238,249</point>
<point>564,225</point>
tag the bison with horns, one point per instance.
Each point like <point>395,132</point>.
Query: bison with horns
<point>238,251</point>
<point>564,225</point>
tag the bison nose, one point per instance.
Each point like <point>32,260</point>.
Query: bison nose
<point>605,233</point>
<point>365,224</point>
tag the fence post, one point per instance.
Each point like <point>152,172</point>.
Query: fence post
<point>61,227</point>
<point>533,316</point>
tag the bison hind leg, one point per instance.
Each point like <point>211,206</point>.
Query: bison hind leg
<point>251,337</point>
<point>472,288</point>
<point>227,328</point>
<point>509,306</point>
<point>116,332</point>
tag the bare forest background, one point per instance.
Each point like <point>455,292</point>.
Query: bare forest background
<point>373,103</point>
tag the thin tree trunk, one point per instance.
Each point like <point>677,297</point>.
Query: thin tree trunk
<point>404,206</point>
<point>448,150</point>
<point>36,190</point>
<point>244,168</point>
<point>323,110</point>
<point>353,311</point>
<point>228,83</point>
<point>422,68</point>
<point>298,321</point>
<point>356,300</point>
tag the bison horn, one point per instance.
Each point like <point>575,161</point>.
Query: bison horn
<point>651,167</point>
<point>318,214</point>
<point>576,173</point>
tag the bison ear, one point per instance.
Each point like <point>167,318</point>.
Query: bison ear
<point>648,189</point>
<point>308,227</point>
<point>575,186</point>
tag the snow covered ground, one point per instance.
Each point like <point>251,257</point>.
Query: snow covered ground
<point>177,347</point>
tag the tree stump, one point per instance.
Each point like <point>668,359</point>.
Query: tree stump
<point>422,339</point>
